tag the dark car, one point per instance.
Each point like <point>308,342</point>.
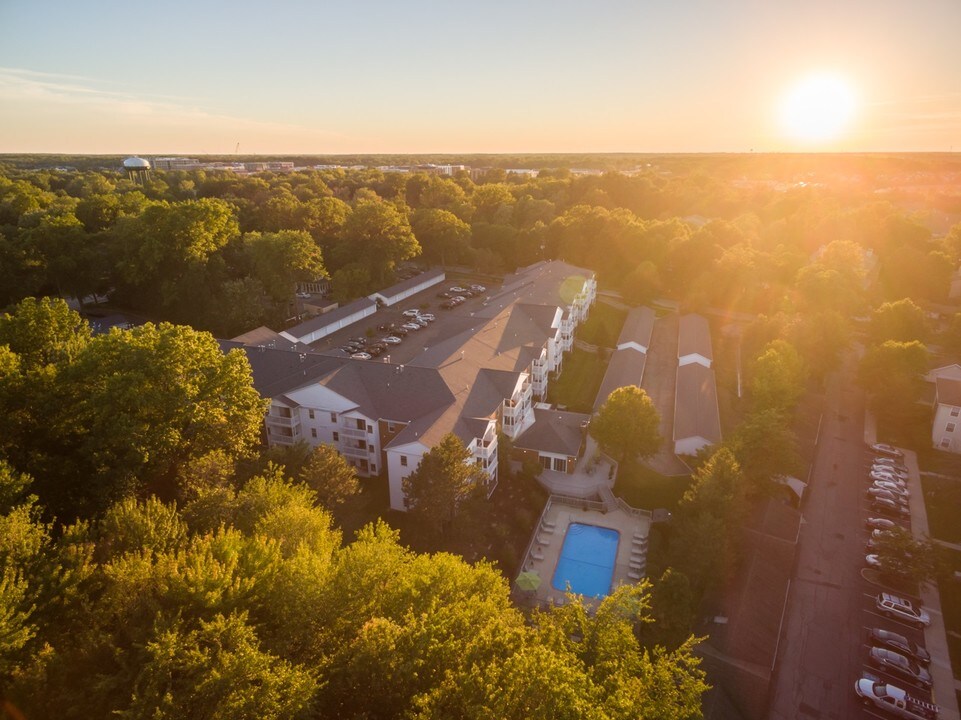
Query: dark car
<point>374,350</point>
<point>889,507</point>
<point>444,294</point>
<point>384,328</point>
<point>900,644</point>
<point>399,331</point>
<point>900,666</point>
<point>448,304</point>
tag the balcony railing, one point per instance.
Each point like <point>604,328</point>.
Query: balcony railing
<point>283,422</point>
<point>354,452</point>
<point>352,432</point>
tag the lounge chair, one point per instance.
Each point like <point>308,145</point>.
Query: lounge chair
<point>633,575</point>
<point>548,530</point>
<point>537,555</point>
<point>543,541</point>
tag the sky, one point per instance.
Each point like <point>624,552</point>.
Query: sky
<point>366,76</point>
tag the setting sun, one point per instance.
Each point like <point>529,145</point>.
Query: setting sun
<point>818,109</point>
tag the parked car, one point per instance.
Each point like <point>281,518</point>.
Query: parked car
<point>420,321</point>
<point>893,481</point>
<point>894,700</point>
<point>872,561</point>
<point>375,350</point>
<point>412,313</point>
<point>890,507</point>
<point>890,462</point>
<point>886,449</point>
<point>900,644</point>
<point>882,524</point>
<point>392,340</point>
<point>457,290</point>
<point>445,294</point>
<point>400,331</point>
<point>410,326</point>
<point>385,327</point>
<point>359,340</point>
<point>478,288</point>
<point>899,665</point>
<point>448,304</point>
<point>361,356</point>
<point>428,317</point>
<point>900,608</point>
<point>467,293</point>
<point>885,475</point>
<point>881,494</point>
<point>892,487</point>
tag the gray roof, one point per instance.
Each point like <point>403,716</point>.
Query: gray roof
<point>695,404</point>
<point>949,391</point>
<point>694,336</point>
<point>277,371</point>
<point>329,318</point>
<point>625,368</point>
<point>489,390</point>
<point>554,431</point>
<point>271,338</point>
<point>389,391</point>
<point>638,327</point>
<point>549,282</point>
<point>413,282</point>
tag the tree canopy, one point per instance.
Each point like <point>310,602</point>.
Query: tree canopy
<point>627,424</point>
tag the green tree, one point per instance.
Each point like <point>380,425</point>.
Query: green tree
<point>777,381</point>
<point>627,425</point>
<point>766,448</point>
<point>891,374</point>
<point>378,236</point>
<point>218,671</point>
<point>901,321</point>
<point>44,332</point>
<point>350,282</point>
<point>282,259</point>
<point>906,558</point>
<point>445,480</point>
<point>329,474</point>
<point>443,236</point>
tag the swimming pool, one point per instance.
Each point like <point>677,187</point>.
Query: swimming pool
<point>587,560</point>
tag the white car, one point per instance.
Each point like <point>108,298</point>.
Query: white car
<point>391,340</point>
<point>902,609</point>
<point>361,356</point>
<point>872,561</point>
<point>891,483</point>
<point>428,317</point>
<point>880,524</point>
<point>423,322</point>
<point>457,289</point>
<point>478,288</point>
<point>886,449</point>
<point>411,326</point>
<point>882,494</point>
<point>885,476</point>
<point>890,462</point>
<point>888,470</point>
<point>411,313</point>
<point>304,295</point>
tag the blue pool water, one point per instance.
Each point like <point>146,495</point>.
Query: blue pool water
<point>587,560</point>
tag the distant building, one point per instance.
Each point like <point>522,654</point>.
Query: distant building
<point>176,163</point>
<point>137,169</point>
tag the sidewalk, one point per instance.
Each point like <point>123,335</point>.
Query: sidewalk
<point>935,635</point>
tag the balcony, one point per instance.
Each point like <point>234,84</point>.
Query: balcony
<point>355,452</point>
<point>352,432</point>
<point>289,423</point>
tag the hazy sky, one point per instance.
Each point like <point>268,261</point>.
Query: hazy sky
<point>350,76</point>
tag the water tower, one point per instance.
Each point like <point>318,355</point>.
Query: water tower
<point>137,169</point>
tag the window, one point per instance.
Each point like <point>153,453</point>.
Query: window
<point>310,414</point>
<point>333,417</point>
<point>313,432</point>
<point>373,468</point>
<point>370,428</point>
<point>336,436</point>
<point>955,412</point>
<point>545,462</point>
<point>391,427</point>
<point>360,424</point>
<point>945,442</point>
<point>403,461</point>
<point>560,464</point>
<point>950,427</point>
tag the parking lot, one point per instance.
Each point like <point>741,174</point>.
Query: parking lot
<point>447,323</point>
<point>831,606</point>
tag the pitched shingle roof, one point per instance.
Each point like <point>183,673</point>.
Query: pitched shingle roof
<point>388,391</point>
<point>638,327</point>
<point>625,368</point>
<point>277,371</point>
<point>949,391</point>
<point>695,404</point>
<point>554,431</point>
<point>694,336</point>
<point>329,318</point>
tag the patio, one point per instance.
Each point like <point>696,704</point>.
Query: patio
<point>594,472</point>
<point>545,546</point>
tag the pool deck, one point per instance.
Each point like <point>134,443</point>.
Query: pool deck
<point>545,547</point>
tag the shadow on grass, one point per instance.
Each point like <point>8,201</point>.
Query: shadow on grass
<point>641,487</point>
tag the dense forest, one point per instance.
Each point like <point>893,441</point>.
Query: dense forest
<point>156,561</point>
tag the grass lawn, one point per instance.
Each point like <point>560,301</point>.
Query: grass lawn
<point>577,386</point>
<point>603,325</point>
<point>642,487</point>
<point>912,430</point>
<point>942,498</point>
<point>951,609</point>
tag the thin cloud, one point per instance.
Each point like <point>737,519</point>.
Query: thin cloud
<point>27,86</point>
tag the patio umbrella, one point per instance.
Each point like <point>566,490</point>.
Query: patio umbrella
<point>528,580</point>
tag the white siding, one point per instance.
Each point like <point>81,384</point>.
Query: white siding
<point>944,420</point>
<point>694,358</point>
<point>396,472</point>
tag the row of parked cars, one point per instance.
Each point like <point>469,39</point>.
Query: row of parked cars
<point>889,652</point>
<point>458,295</point>
<point>361,348</point>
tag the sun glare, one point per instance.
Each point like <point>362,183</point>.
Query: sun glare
<point>818,109</point>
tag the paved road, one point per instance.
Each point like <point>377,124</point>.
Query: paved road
<point>830,606</point>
